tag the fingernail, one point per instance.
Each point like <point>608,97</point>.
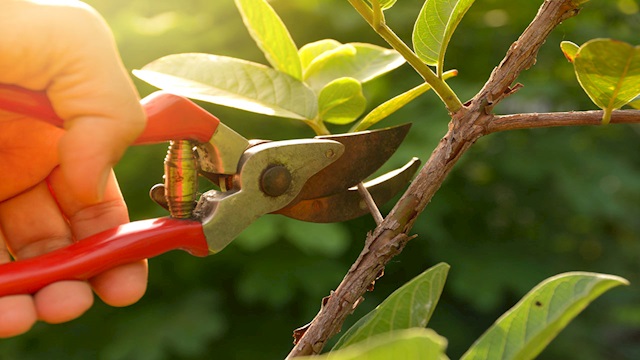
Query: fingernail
<point>102,183</point>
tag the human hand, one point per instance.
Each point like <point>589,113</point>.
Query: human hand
<point>57,185</point>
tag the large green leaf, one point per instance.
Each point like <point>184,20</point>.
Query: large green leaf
<point>434,27</point>
<point>408,307</point>
<point>362,62</point>
<point>341,101</point>
<point>232,82</point>
<point>271,35</point>
<point>527,328</point>
<point>390,106</point>
<point>609,72</point>
<point>414,344</point>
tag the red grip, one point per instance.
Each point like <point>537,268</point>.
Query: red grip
<point>173,117</point>
<point>35,104</point>
<point>169,117</point>
<point>121,245</point>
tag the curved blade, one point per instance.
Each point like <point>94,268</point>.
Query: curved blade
<point>348,204</point>
<point>364,153</point>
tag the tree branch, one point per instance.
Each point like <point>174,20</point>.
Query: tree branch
<point>571,118</point>
<point>467,125</point>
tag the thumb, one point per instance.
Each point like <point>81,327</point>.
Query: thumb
<point>94,95</point>
<point>87,152</point>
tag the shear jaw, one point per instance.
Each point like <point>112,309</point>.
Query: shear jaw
<point>269,177</point>
<point>221,154</point>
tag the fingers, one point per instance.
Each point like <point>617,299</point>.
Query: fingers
<point>27,152</point>
<point>119,286</point>
<point>17,313</point>
<point>63,301</point>
<point>99,103</point>
<point>77,63</point>
<point>87,156</point>
<point>32,225</point>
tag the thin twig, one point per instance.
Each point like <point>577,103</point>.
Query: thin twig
<point>371,204</point>
<point>467,125</point>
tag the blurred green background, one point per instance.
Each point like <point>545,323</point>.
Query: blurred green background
<point>519,207</point>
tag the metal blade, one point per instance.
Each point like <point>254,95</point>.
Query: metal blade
<point>364,153</point>
<point>348,204</point>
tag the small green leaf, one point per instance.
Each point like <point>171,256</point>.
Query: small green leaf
<point>569,50</point>
<point>232,82</point>
<point>408,307</point>
<point>385,4</point>
<point>312,50</point>
<point>527,328</point>
<point>635,104</point>
<point>362,62</point>
<point>434,27</point>
<point>414,344</point>
<point>389,107</point>
<point>341,101</point>
<point>271,35</point>
<point>609,72</point>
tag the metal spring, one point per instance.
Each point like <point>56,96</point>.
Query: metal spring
<point>180,179</point>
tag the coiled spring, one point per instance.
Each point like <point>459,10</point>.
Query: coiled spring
<point>180,179</point>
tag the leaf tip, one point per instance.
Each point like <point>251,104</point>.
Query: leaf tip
<point>570,50</point>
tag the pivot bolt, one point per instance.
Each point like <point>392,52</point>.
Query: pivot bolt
<point>275,180</point>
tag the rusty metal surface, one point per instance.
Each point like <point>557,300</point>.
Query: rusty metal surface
<point>365,152</point>
<point>348,204</point>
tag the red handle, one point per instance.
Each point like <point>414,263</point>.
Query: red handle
<point>89,257</point>
<point>169,117</point>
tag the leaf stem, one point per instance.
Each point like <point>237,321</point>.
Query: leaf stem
<point>446,94</point>
<point>378,16</point>
<point>318,126</point>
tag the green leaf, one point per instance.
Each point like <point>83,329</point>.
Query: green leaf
<point>432,31</point>
<point>385,4</point>
<point>635,104</point>
<point>312,50</point>
<point>408,307</point>
<point>527,328</point>
<point>414,344</point>
<point>569,50</point>
<point>389,107</point>
<point>609,72</point>
<point>362,62</point>
<point>271,35</point>
<point>232,82</point>
<point>341,101</point>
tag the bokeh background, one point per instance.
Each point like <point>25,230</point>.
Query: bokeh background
<point>519,207</point>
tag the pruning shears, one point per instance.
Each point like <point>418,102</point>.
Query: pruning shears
<point>306,179</point>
